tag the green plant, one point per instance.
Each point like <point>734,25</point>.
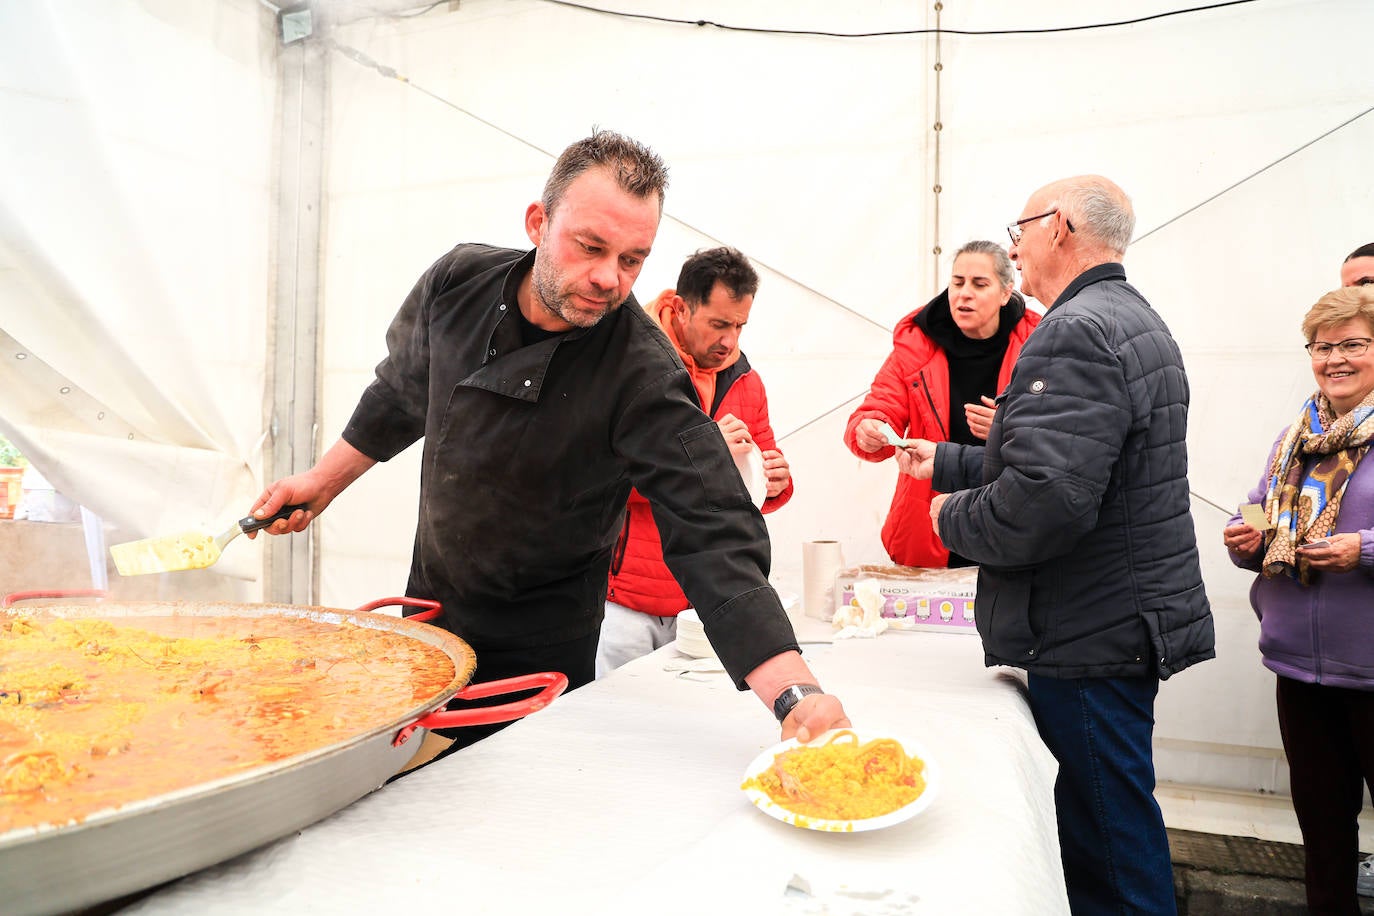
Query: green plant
<point>9,455</point>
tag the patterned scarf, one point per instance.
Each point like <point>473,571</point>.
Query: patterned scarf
<point>1303,505</point>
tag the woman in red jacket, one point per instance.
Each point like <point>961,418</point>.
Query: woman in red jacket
<point>949,359</point>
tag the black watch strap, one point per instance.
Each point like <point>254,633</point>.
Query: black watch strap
<point>789,698</point>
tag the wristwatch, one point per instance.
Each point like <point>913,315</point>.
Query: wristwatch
<point>789,698</point>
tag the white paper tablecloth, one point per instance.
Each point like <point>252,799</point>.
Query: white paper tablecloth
<point>623,798</point>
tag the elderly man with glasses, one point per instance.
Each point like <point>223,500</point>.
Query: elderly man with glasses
<point>1078,515</point>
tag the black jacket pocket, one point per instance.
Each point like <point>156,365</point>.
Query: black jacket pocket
<point>710,457</point>
<point>1003,616</point>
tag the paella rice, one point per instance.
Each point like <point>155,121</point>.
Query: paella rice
<point>96,713</point>
<point>843,779</point>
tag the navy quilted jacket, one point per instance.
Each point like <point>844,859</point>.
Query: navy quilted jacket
<point>1077,509</point>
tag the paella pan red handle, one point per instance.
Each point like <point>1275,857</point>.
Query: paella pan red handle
<point>553,682</point>
<point>13,597</point>
<point>431,610</point>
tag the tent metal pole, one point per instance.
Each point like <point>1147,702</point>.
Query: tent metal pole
<point>291,573</point>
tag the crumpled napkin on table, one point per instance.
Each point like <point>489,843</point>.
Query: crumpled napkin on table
<point>694,668</point>
<point>867,619</point>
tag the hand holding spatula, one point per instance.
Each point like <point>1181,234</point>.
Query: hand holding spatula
<point>188,550</point>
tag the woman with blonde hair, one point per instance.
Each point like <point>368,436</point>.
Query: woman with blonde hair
<point>1314,594</point>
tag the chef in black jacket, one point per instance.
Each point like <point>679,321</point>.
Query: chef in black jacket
<point>543,392</point>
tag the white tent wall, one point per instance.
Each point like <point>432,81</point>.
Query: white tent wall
<point>134,213</point>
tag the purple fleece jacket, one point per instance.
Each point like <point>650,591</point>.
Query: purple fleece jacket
<point>1322,633</point>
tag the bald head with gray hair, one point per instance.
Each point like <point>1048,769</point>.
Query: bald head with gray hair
<point>1099,210</point>
<point>1067,227</point>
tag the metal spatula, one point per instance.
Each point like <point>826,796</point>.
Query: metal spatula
<point>187,550</point>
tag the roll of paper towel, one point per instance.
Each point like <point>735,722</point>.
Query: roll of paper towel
<point>820,561</point>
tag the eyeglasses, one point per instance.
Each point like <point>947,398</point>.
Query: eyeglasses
<point>1015,231</point>
<point>1351,346</point>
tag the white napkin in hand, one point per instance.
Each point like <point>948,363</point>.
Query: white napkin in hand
<point>867,619</point>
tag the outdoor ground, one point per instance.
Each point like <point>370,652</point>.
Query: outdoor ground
<point>1218,875</point>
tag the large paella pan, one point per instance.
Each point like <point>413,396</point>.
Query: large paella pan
<point>76,858</point>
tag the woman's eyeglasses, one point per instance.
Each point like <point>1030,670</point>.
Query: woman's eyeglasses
<point>1351,346</point>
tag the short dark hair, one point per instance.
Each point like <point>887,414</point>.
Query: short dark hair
<point>1364,251</point>
<point>637,169</point>
<point>701,271</point>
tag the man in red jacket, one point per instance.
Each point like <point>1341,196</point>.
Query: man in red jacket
<point>703,317</point>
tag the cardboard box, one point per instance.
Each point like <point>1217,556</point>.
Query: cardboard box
<point>916,598</point>
<point>11,487</point>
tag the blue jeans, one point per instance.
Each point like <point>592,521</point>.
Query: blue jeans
<point>1111,832</point>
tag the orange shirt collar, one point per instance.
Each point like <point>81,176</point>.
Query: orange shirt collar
<point>704,380</point>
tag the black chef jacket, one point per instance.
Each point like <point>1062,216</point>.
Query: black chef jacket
<point>529,456</point>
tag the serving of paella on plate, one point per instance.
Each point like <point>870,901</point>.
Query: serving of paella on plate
<point>842,781</point>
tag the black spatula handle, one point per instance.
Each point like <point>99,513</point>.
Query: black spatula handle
<point>253,524</point>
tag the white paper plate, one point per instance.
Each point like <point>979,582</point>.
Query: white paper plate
<point>906,812</point>
<point>691,636</point>
<point>751,471</point>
